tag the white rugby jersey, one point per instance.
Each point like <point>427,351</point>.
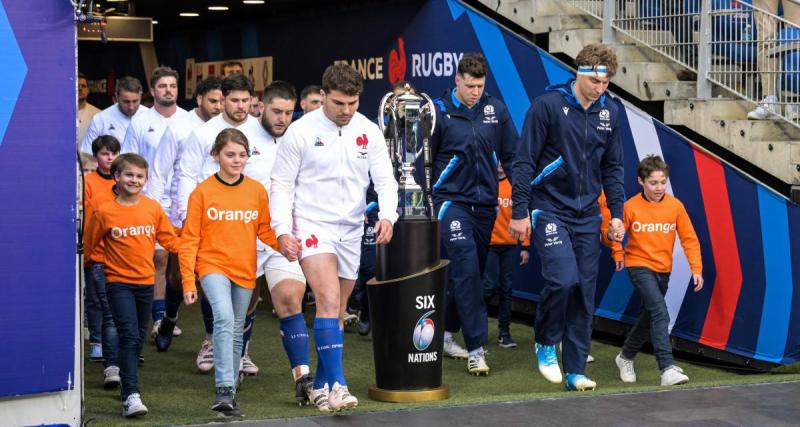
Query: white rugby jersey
<point>197,152</point>
<point>322,172</point>
<point>145,132</point>
<point>164,172</point>
<point>110,121</point>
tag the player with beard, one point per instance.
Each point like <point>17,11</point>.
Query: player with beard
<point>236,93</point>
<point>319,183</point>
<point>163,184</point>
<point>143,137</point>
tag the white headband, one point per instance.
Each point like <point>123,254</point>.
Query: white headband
<point>600,71</point>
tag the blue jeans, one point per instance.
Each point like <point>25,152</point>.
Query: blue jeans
<point>653,320</point>
<point>92,308</point>
<point>109,331</point>
<point>466,232</point>
<point>229,303</point>
<point>130,306</point>
<point>501,264</point>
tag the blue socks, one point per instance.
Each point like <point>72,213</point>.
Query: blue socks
<point>247,332</point>
<point>158,309</point>
<point>329,342</point>
<point>294,335</point>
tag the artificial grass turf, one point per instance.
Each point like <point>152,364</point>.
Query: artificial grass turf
<point>176,394</point>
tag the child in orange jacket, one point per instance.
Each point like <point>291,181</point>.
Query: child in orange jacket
<point>225,213</point>
<point>504,257</point>
<point>97,189</point>
<point>128,227</point>
<point>652,219</point>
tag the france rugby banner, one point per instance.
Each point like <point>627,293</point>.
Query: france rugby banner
<point>750,236</point>
<point>38,239</point>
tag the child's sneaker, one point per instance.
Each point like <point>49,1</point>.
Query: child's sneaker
<point>589,358</point>
<point>111,377</point>
<point>248,367</point>
<point>452,349</point>
<point>340,398</point>
<point>626,372</point>
<point>133,406</point>
<point>224,400</point>
<point>96,352</point>
<point>579,382</point>
<point>319,397</point>
<point>548,362</point>
<point>205,358</point>
<point>505,341</point>
<point>673,375</point>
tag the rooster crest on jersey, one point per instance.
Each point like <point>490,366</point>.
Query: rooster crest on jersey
<point>361,143</point>
<point>312,241</point>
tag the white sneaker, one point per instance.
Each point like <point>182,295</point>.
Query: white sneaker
<point>452,349</point>
<point>626,372</point>
<point>205,357</point>
<point>248,367</point>
<point>476,364</point>
<point>111,377</point>
<point>176,332</point>
<point>767,109</point>
<point>319,397</point>
<point>547,360</point>
<point>340,398</point>
<point>154,331</point>
<point>133,406</point>
<point>589,359</point>
<point>673,375</point>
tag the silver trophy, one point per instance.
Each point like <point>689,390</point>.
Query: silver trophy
<point>407,120</point>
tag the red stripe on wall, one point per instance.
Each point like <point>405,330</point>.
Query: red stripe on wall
<point>728,283</point>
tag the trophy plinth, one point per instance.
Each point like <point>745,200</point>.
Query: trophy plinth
<point>406,298</point>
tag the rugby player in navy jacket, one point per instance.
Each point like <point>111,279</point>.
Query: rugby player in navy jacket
<point>473,130</point>
<point>568,152</point>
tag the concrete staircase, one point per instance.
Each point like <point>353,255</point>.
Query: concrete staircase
<point>773,146</point>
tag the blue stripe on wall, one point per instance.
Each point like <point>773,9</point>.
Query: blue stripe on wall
<point>743,196</point>
<point>778,268</point>
<point>556,71</point>
<point>249,41</point>
<point>502,66</point>
<point>792,352</point>
<point>616,298</point>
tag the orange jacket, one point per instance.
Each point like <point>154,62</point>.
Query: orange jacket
<point>128,235</point>
<point>222,222</point>
<point>97,189</point>
<point>500,234</point>
<point>651,229</point>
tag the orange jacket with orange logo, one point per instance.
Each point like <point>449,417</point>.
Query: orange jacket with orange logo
<point>651,229</point>
<point>500,234</point>
<point>222,222</point>
<point>97,189</point>
<point>129,235</point>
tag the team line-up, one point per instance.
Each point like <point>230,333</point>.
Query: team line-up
<point>214,198</point>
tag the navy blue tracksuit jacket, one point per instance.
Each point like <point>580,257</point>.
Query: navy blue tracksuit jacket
<point>565,155</point>
<point>466,146</point>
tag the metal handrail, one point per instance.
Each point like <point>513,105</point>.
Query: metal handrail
<point>750,52</point>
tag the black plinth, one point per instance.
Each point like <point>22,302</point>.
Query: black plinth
<point>406,301</point>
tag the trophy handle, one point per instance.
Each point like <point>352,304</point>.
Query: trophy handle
<point>382,111</point>
<point>432,109</point>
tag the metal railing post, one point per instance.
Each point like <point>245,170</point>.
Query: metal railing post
<point>704,51</point>
<point>608,21</point>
